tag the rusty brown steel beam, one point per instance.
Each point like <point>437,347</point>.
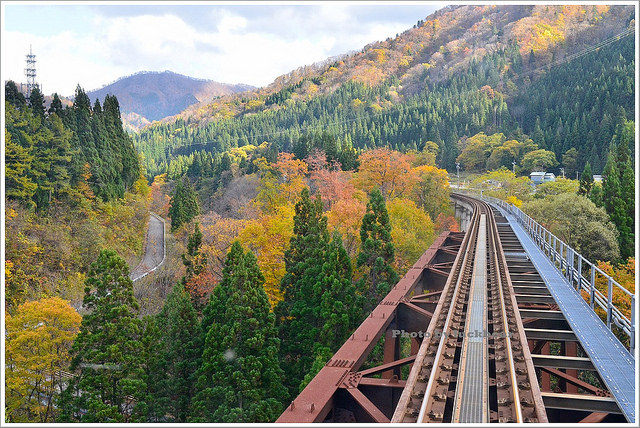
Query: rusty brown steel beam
<point>438,271</point>
<point>366,404</point>
<point>580,402</point>
<point>577,382</point>
<point>425,295</point>
<point>315,402</point>
<point>561,362</point>
<point>594,418</point>
<point>418,310</point>
<point>384,383</point>
<point>388,366</point>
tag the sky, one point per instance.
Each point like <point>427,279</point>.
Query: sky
<point>94,44</point>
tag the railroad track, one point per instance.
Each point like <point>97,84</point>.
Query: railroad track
<point>475,365</point>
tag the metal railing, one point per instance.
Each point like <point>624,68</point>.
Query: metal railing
<point>573,266</point>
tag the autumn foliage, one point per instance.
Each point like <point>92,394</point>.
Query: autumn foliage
<point>38,338</point>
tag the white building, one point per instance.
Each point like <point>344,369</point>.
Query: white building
<point>539,177</point>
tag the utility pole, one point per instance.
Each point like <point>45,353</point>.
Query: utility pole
<point>458,171</point>
<point>576,175</point>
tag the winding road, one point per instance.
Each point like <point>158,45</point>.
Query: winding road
<point>154,249</point>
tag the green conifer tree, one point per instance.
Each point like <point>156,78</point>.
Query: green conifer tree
<point>586,181</point>
<point>299,318</point>
<point>179,350</point>
<point>596,194</point>
<point>240,379</point>
<point>36,102</point>
<point>184,204</point>
<point>13,95</point>
<point>612,199</point>
<point>338,309</point>
<point>107,353</point>
<point>377,253</point>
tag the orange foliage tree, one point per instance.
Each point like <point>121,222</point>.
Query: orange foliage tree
<point>292,173</point>
<point>330,181</point>
<point>218,235</point>
<point>345,218</point>
<point>386,169</point>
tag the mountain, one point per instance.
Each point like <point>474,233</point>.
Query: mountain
<point>149,96</point>
<point>460,71</point>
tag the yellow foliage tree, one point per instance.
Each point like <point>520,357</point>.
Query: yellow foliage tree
<point>412,232</point>
<point>268,237</point>
<point>38,338</point>
<point>431,191</point>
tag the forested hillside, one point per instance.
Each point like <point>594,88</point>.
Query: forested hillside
<point>73,185</point>
<point>462,71</point>
<point>292,210</point>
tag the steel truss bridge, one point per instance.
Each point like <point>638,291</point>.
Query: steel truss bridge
<point>500,323</point>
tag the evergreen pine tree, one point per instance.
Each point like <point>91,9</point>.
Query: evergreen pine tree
<point>56,106</point>
<point>107,353</point>
<point>195,262</point>
<point>596,194</point>
<point>179,350</point>
<point>153,372</point>
<point>13,95</point>
<point>612,198</point>
<point>36,102</point>
<point>240,379</point>
<point>184,204</point>
<point>627,194</point>
<point>377,253</point>
<point>298,313</point>
<point>586,181</point>
<point>338,311</point>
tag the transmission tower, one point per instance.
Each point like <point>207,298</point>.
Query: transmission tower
<point>30,71</point>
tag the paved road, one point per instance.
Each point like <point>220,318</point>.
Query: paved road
<point>154,249</point>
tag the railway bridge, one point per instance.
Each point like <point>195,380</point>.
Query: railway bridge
<point>501,322</point>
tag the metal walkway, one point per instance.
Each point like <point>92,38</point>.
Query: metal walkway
<point>472,379</point>
<point>613,362</point>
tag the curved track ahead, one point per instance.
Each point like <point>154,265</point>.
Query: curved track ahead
<point>462,377</point>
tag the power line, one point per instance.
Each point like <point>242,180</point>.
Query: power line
<point>547,67</point>
<point>583,52</point>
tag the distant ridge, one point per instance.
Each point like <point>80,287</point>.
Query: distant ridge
<point>148,96</point>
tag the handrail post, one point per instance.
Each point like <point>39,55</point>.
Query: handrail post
<point>570,264</point>
<point>632,330</point>
<point>609,301</point>
<point>593,286</point>
<point>580,274</point>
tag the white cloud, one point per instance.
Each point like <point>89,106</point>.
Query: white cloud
<point>231,48</point>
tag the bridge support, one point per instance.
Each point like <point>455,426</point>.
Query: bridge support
<point>343,391</point>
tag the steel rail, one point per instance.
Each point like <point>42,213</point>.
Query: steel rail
<point>461,298</point>
<point>511,375</point>
<point>443,336</point>
<point>503,311</point>
<point>407,409</point>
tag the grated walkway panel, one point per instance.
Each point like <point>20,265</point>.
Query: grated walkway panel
<point>474,386</point>
<point>613,361</point>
